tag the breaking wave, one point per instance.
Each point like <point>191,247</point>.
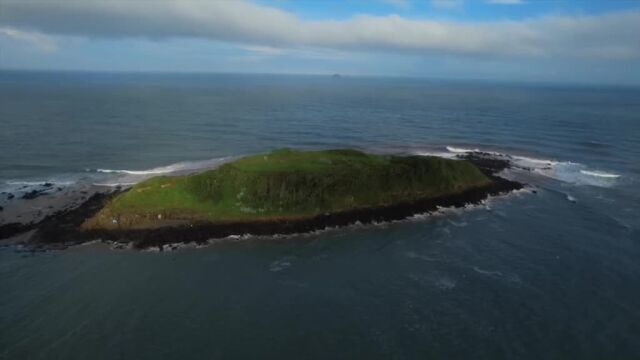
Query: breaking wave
<point>178,167</point>
<point>565,171</point>
<point>18,187</point>
<point>131,177</point>
<point>600,174</point>
<point>15,188</point>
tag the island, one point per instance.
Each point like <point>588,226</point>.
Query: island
<point>282,192</point>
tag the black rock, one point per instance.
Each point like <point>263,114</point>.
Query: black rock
<point>33,194</point>
<point>47,184</point>
<point>12,229</point>
<point>10,196</point>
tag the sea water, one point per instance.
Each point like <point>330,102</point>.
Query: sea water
<point>549,272</point>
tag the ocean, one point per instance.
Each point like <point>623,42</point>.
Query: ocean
<point>550,272</point>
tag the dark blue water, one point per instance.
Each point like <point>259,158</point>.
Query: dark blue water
<point>547,275</point>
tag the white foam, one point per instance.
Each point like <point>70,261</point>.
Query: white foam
<point>132,177</point>
<point>575,173</point>
<point>565,171</point>
<point>24,183</point>
<point>39,183</point>
<point>457,150</point>
<point>21,186</point>
<point>600,174</point>
<point>441,154</point>
<point>460,150</point>
<point>525,160</point>
<point>131,172</point>
<point>173,168</point>
<point>116,184</point>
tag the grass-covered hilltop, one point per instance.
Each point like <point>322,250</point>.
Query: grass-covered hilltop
<point>287,186</point>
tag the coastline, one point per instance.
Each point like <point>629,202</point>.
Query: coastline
<point>200,233</point>
<point>62,228</point>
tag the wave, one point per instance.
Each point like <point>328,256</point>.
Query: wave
<point>101,178</point>
<point>530,160</point>
<point>114,184</point>
<point>132,177</point>
<point>132,172</point>
<point>446,155</point>
<point>600,174</point>
<point>565,171</point>
<point>173,168</point>
<point>17,187</point>
<point>460,150</point>
<point>38,183</point>
<point>457,150</point>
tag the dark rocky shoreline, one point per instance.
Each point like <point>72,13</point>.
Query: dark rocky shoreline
<point>62,229</point>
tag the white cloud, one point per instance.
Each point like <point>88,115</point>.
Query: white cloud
<point>267,29</point>
<point>40,41</point>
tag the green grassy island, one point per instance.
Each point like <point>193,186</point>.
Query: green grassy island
<point>286,185</point>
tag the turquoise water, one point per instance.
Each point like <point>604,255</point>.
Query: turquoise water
<point>547,275</point>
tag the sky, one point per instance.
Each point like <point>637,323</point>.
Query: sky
<point>580,41</point>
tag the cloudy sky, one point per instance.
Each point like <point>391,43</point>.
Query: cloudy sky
<point>594,41</point>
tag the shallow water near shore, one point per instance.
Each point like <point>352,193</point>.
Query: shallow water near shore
<point>550,274</point>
